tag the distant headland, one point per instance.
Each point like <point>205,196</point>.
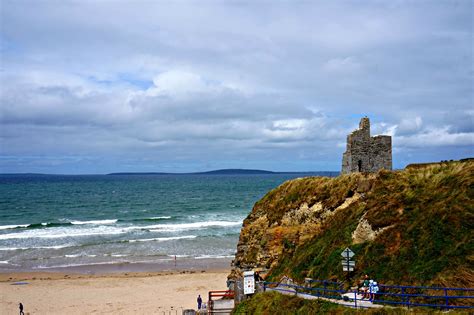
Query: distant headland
<point>232,171</point>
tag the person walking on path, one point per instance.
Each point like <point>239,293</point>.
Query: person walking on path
<point>199,300</point>
<point>21,309</point>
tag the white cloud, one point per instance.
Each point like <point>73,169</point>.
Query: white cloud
<point>342,65</point>
<point>435,138</point>
<point>236,80</point>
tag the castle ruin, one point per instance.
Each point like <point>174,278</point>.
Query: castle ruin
<point>365,153</point>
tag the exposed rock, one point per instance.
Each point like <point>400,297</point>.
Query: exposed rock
<point>300,228</point>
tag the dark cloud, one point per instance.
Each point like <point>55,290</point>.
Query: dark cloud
<point>101,87</point>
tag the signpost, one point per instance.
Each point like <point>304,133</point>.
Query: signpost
<point>347,263</point>
<point>249,282</point>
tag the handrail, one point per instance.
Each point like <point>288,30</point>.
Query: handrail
<point>424,287</point>
<point>405,297</point>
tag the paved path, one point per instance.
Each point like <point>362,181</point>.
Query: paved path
<point>360,303</point>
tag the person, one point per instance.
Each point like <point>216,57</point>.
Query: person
<point>373,290</point>
<point>368,292</point>
<point>199,300</point>
<point>21,309</point>
<point>365,287</point>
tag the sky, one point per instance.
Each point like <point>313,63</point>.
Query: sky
<point>93,87</point>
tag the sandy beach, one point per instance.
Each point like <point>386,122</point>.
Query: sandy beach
<point>108,293</point>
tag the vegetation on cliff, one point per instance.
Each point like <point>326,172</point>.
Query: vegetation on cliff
<point>278,304</point>
<point>412,227</point>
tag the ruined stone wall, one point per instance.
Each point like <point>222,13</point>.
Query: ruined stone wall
<point>380,153</point>
<point>365,153</point>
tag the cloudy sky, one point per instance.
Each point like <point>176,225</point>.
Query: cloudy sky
<point>106,86</point>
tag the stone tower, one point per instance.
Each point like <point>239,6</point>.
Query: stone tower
<point>365,153</point>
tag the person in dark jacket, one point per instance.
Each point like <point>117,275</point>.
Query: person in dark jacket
<point>21,309</point>
<point>199,300</point>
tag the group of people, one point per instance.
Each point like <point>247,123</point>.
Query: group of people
<point>368,288</point>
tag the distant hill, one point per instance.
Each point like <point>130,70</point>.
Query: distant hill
<point>230,171</point>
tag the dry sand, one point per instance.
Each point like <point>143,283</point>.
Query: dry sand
<point>126,293</point>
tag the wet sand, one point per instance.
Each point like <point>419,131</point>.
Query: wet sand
<point>111,292</point>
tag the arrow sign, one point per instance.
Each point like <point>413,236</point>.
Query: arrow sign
<point>347,253</point>
<point>347,264</point>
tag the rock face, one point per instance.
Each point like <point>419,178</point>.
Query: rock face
<point>406,227</point>
<point>365,153</point>
<point>268,233</point>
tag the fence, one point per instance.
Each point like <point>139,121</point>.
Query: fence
<point>409,296</point>
<point>418,296</point>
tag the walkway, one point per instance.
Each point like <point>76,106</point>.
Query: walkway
<point>350,295</point>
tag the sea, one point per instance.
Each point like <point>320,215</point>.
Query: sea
<point>55,221</point>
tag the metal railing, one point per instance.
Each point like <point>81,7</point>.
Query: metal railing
<point>450,298</point>
<point>409,296</point>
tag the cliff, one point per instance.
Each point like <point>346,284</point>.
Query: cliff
<point>406,227</point>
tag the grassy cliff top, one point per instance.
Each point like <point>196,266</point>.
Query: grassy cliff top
<point>407,227</point>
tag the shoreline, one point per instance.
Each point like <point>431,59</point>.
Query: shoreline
<point>168,265</point>
<point>182,265</point>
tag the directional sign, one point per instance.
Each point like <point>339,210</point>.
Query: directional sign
<point>347,264</point>
<point>347,253</point>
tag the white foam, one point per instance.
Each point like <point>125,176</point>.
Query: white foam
<point>76,265</point>
<point>6,227</point>
<point>185,226</point>
<point>214,256</point>
<point>72,256</point>
<point>4,262</point>
<point>38,247</point>
<point>63,232</point>
<point>163,217</point>
<point>95,222</point>
<point>163,239</point>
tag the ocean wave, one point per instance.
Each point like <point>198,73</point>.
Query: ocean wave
<point>36,247</point>
<point>159,218</point>
<point>79,255</point>
<point>77,265</point>
<point>16,226</point>
<point>47,224</point>
<point>112,221</point>
<point>163,239</point>
<point>214,256</point>
<point>63,233</point>
<point>187,226</point>
<point>55,224</point>
<point>72,256</point>
<point>4,262</point>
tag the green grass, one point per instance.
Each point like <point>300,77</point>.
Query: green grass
<point>429,211</point>
<point>273,303</point>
